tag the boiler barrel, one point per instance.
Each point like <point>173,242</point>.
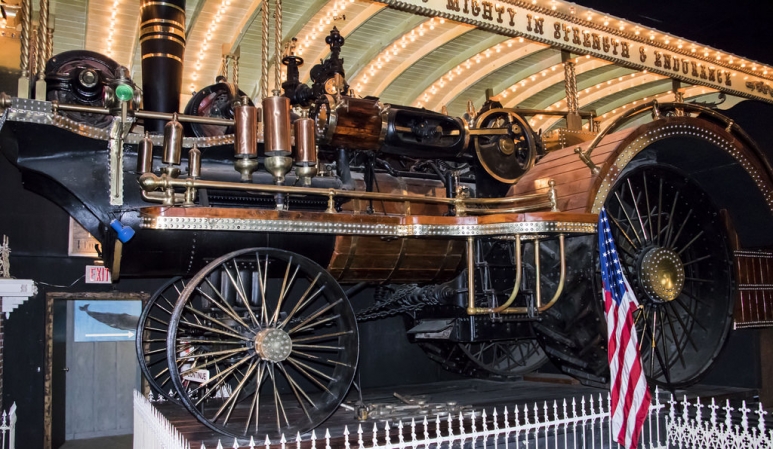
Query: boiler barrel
<point>162,42</point>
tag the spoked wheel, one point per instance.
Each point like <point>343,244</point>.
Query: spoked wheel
<point>500,360</point>
<point>262,341</point>
<point>509,154</point>
<point>673,247</point>
<point>152,330</point>
<point>506,359</point>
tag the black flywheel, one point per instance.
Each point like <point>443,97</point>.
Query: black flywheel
<point>262,342</point>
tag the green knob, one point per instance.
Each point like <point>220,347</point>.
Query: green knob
<point>124,92</point>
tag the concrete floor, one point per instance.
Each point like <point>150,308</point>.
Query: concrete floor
<point>117,442</point>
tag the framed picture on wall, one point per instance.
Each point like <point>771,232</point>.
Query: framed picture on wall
<point>80,242</point>
<point>100,320</point>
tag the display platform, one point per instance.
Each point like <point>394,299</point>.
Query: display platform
<point>440,398</point>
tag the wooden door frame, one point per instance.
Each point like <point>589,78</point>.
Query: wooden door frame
<point>49,336</point>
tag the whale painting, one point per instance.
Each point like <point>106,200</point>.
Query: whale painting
<point>105,320</point>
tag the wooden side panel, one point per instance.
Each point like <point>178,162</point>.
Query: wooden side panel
<point>574,180</point>
<point>373,259</point>
<point>754,278</point>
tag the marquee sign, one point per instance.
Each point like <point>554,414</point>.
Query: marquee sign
<point>638,50</point>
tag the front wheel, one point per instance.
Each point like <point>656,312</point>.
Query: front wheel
<point>262,342</point>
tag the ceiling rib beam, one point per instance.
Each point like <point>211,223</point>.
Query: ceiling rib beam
<point>381,42</point>
<point>443,69</point>
<point>526,88</point>
<point>607,89</point>
<point>472,76</point>
<point>391,75</point>
<point>691,92</point>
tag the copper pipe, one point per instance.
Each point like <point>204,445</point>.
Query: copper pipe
<point>146,114</point>
<point>537,283</point>
<point>471,276</point>
<point>561,278</point>
<point>150,182</point>
<point>517,284</point>
<point>540,308</point>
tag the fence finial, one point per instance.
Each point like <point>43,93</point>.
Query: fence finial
<point>236,444</point>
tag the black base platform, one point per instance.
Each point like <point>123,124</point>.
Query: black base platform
<point>465,395</point>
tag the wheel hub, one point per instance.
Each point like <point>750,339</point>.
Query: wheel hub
<point>662,274</point>
<point>273,344</point>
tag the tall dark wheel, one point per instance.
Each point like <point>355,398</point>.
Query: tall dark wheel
<point>673,247</point>
<point>492,360</point>
<point>262,341</point>
<point>152,329</point>
<point>505,359</point>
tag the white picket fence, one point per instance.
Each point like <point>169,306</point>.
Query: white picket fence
<point>582,423</point>
<point>8,428</point>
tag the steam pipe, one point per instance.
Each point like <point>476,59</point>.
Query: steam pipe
<point>162,41</point>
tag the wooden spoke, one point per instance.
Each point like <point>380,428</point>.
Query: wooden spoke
<point>217,331</point>
<point>303,302</point>
<point>224,307</point>
<point>314,315</point>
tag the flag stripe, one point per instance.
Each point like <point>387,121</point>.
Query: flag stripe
<point>630,397</point>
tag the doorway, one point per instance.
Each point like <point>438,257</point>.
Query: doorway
<point>90,365</point>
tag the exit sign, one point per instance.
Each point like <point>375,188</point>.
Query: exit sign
<point>96,274</point>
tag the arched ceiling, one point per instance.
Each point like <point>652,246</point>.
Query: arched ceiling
<point>423,60</point>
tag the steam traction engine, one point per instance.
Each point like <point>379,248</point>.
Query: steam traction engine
<point>265,217</point>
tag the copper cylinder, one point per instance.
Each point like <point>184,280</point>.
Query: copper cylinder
<point>305,142</point>
<point>145,155</point>
<point>246,141</point>
<point>276,127</point>
<point>194,162</point>
<point>173,141</point>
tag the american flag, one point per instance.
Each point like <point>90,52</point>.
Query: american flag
<point>628,385</point>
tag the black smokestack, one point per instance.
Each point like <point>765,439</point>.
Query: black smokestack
<point>162,40</point>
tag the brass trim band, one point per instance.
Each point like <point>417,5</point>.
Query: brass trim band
<point>162,55</point>
<point>170,5</point>
<point>163,37</point>
<point>389,230</point>
<point>152,21</point>
<point>162,29</point>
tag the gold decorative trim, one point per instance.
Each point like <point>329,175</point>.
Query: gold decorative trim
<point>568,32</point>
<point>387,230</point>
<point>170,5</point>
<point>163,37</point>
<point>676,130</point>
<point>152,21</point>
<point>161,55</point>
<point>162,29</point>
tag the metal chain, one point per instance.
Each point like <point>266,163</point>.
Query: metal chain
<point>236,70</point>
<point>50,42</point>
<point>26,32</point>
<point>264,50</point>
<point>570,82</point>
<point>278,46</point>
<point>407,298</point>
<point>42,38</point>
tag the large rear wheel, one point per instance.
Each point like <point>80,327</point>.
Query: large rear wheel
<point>673,247</point>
